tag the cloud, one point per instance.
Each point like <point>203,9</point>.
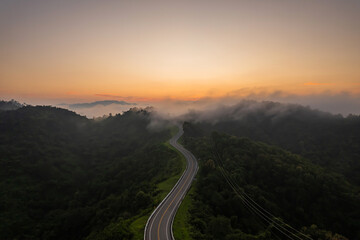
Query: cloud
<point>340,103</point>
<point>100,108</point>
<point>101,103</point>
<point>171,109</point>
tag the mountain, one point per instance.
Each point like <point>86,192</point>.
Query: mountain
<point>300,164</point>
<point>331,141</point>
<point>9,105</point>
<point>314,200</point>
<point>63,176</point>
<point>101,103</point>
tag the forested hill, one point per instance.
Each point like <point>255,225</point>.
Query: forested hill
<point>332,141</point>
<point>63,176</point>
<point>315,201</point>
<point>9,105</point>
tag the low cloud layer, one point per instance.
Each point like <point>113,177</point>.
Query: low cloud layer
<point>98,103</point>
<point>92,110</point>
<point>343,103</point>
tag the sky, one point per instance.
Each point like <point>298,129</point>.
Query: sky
<point>152,51</point>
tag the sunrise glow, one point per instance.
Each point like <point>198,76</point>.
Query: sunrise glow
<point>180,50</point>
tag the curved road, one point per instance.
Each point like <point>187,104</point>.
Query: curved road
<point>159,224</point>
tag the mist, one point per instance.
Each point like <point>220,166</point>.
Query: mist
<point>213,109</point>
<point>216,108</point>
<point>100,108</point>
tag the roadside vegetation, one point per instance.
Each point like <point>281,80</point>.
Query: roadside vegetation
<point>177,166</point>
<point>181,226</point>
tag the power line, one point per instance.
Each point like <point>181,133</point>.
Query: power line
<point>251,209</point>
<point>256,208</point>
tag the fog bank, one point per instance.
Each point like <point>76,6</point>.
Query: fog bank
<point>343,103</point>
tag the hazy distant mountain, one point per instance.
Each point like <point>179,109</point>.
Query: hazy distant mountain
<point>102,103</point>
<point>10,105</point>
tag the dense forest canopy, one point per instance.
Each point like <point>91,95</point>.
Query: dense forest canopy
<point>10,105</point>
<point>63,176</point>
<point>332,141</point>
<point>306,196</point>
<point>314,185</point>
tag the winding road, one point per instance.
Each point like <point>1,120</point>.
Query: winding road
<point>159,224</point>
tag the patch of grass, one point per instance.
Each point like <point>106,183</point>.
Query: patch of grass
<point>181,227</point>
<point>174,130</point>
<point>165,186</point>
<point>138,225</point>
<point>181,140</point>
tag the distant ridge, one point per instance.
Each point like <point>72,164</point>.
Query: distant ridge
<point>102,103</point>
<point>10,105</point>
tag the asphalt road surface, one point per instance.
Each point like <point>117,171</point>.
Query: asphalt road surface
<point>159,224</point>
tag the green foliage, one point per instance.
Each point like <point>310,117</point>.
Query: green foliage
<point>181,227</point>
<point>175,166</point>
<point>137,226</point>
<point>9,105</point>
<point>114,231</point>
<point>219,227</point>
<point>287,185</point>
<point>320,234</point>
<point>63,176</point>
<point>332,141</point>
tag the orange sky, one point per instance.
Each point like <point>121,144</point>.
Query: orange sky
<point>140,50</point>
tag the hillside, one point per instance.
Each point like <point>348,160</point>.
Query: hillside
<point>332,141</point>
<point>9,105</point>
<point>63,176</point>
<point>304,195</point>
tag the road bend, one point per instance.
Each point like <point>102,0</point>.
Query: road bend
<point>159,224</point>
